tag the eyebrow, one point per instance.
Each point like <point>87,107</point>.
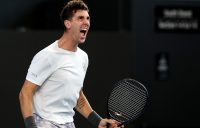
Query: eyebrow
<point>88,17</point>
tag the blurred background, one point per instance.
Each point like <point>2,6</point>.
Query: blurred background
<point>156,42</point>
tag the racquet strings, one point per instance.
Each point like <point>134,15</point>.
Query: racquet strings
<point>127,100</point>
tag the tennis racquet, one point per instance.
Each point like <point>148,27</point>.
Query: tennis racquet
<point>127,101</point>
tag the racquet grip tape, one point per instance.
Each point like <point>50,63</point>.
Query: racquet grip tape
<point>94,118</point>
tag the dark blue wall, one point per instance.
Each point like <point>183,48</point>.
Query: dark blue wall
<point>174,100</point>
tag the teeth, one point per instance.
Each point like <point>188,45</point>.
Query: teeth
<point>84,29</point>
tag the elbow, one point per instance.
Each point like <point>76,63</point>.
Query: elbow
<point>20,96</point>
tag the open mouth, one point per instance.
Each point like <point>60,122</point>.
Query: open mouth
<point>83,31</point>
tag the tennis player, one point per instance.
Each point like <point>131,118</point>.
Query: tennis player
<point>54,82</point>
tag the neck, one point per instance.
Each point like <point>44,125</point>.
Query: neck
<point>66,42</point>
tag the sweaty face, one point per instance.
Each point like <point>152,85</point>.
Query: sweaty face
<point>80,25</point>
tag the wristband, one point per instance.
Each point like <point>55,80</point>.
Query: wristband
<point>94,118</point>
<point>30,122</point>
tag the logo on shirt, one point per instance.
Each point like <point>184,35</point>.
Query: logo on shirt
<point>33,74</point>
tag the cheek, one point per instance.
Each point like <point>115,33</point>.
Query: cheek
<point>75,27</point>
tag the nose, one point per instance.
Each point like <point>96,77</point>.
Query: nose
<point>87,22</point>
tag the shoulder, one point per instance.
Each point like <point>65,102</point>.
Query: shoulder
<point>83,53</point>
<point>44,54</point>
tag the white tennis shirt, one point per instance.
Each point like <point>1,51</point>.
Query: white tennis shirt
<point>60,75</point>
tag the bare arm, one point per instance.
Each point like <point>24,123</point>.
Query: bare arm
<point>26,98</point>
<point>83,106</point>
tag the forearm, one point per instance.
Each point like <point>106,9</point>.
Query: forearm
<point>26,98</point>
<point>83,106</point>
<point>26,109</point>
<point>25,105</point>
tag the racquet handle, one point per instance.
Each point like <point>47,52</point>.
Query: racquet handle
<point>123,123</point>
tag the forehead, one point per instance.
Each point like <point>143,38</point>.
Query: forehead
<point>81,13</point>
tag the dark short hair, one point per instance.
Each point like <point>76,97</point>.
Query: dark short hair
<point>71,8</point>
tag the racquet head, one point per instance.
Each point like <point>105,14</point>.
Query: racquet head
<point>127,100</point>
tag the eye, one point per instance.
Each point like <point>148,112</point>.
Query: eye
<point>80,17</point>
<point>88,18</point>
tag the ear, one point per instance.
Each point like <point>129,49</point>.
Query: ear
<point>67,24</point>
